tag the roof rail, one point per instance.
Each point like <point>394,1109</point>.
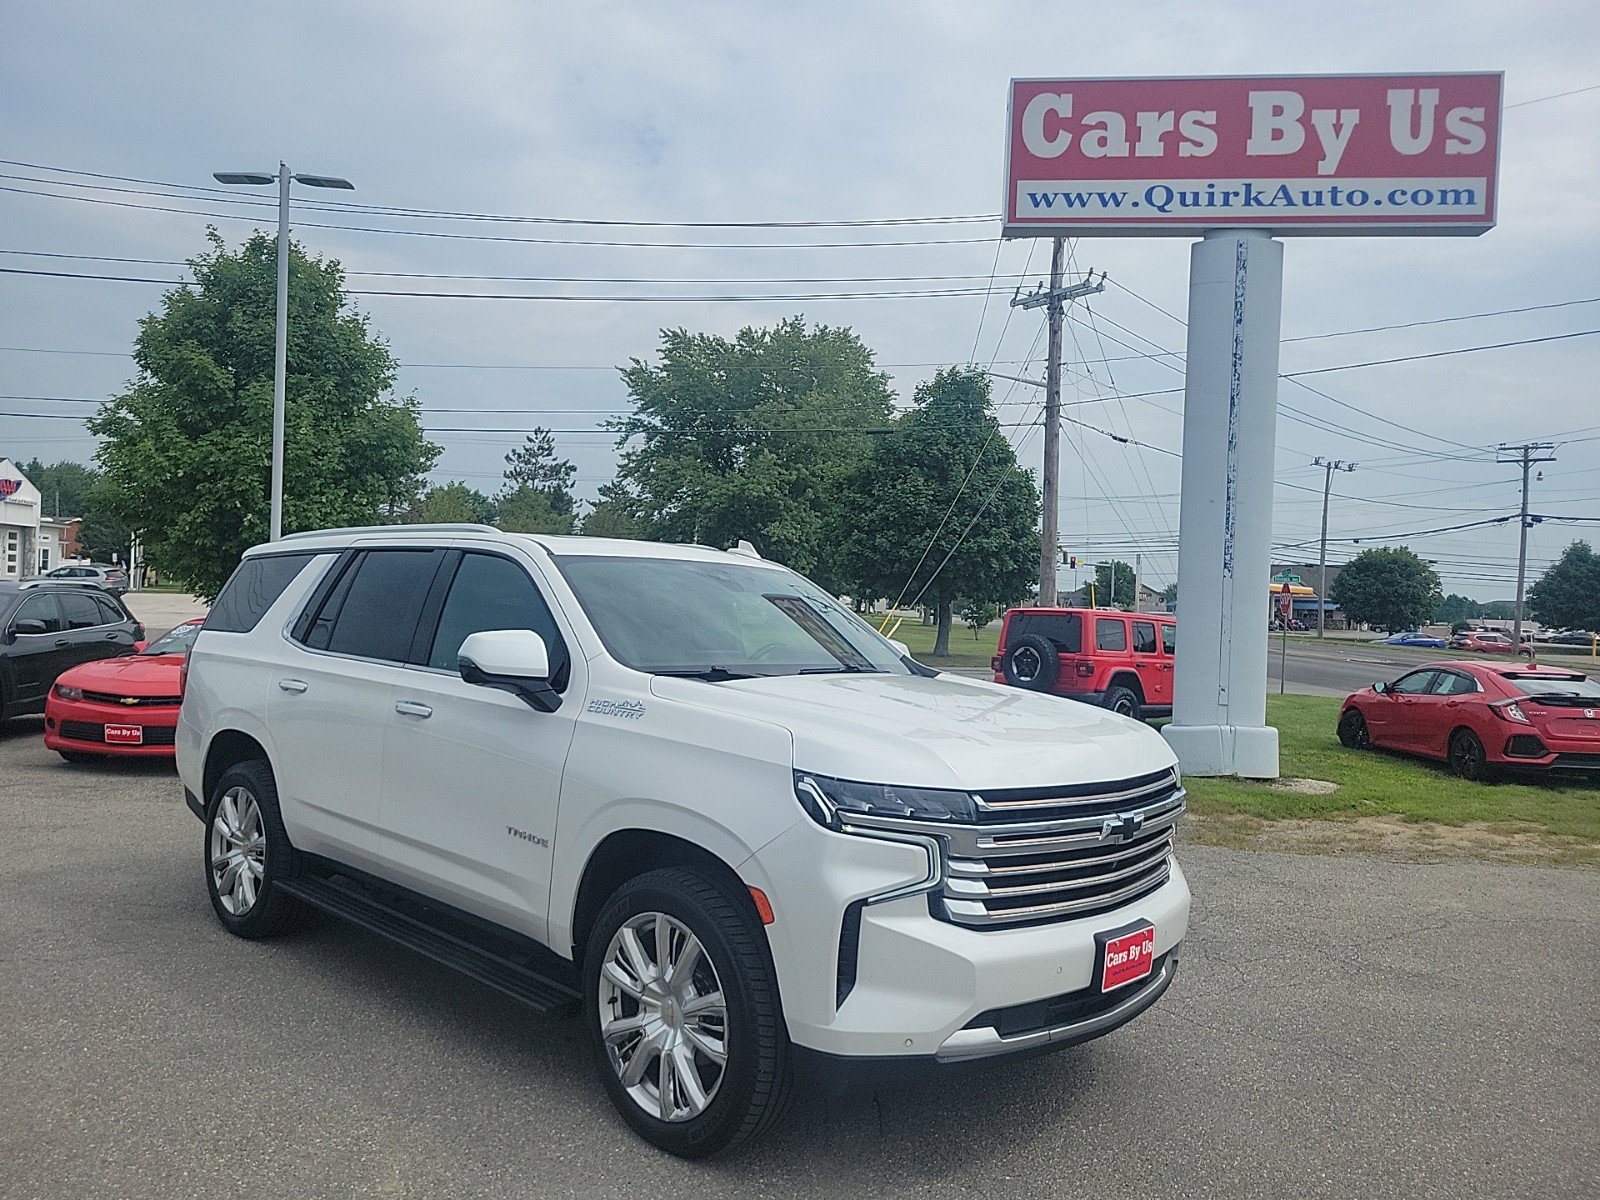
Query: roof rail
<point>448,527</point>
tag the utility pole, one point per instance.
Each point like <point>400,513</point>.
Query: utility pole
<point>1329,466</point>
<point>1138,563</point>
<point>1054,301</point>
<point>1526,454</point>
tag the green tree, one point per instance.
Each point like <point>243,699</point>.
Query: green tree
<point>976,614</point>
<point>1567,596</point>
<point>453,502</point>
<point>64,486</point>
<point>1389,589</point>
<point>946,467</point>
<point>528,509</point>
<point>1119,593</point>
<point>535,465</point>
<point>186,449</point>
<point>1170,594</point>
<point>1454,609</point>
<point>614,514</point>
<point>752,438</point>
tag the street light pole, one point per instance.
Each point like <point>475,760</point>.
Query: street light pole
<point>280,351</point>
<point>1329,466</point>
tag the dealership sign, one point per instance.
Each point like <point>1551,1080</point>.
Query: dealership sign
<point>1319,154</point>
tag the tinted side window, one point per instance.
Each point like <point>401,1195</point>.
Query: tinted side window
<point>1064,630</point>
<point>1414,684</point>
<point>378,618</point>
<point>1449,683</point>
<point>1169,639</point>
<point>1144,637</point>
<point>80,611</point>
<point>251,590</point>
<point>490,592</point>
<point>1110,634</point>
<point>110,614</point>
<point>40,608</point>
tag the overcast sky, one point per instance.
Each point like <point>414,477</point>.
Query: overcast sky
<point>711,112</point>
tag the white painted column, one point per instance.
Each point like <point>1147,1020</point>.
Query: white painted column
<point>1225,518</point>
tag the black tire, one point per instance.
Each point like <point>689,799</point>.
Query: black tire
<point>756,1081</point>
<point>1353,731</point>
<point>79,756</point>
<point>1122,701</point>
<point>1031,662</point>
<point>272,909</point>
<point>1467,757</point>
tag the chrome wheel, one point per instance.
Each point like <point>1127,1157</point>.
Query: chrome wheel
<point>663,1017</point>
<point>1026,664</point>
<point>238,851</point>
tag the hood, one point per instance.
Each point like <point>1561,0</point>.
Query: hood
<point>134,675</point>
<point>935,732</point>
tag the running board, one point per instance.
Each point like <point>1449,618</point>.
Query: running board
<point>462,944</point>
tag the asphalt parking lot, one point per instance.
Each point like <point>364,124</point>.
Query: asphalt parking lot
<point>1340,1027</point>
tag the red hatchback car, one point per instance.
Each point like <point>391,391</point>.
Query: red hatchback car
<point>1481,717</point>
<point>121,706</point>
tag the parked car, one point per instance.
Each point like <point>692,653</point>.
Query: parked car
<point>1490,643</point>
<point>48,627</point>
<point>1481,717</point>
<point>1571,637</point>
<point>1413,638</point>
<point>686,790</point>
<point>120,706</point>
<point>112,579</point>
<point>1117,660</point>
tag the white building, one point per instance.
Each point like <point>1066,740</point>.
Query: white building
<point>19,523</point>
<point>30,542</point>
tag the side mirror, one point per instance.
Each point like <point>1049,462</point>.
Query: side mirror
<point>1381,688</point>
<point>25,626</point>
<point>900,648</point>
<point>513,660</point>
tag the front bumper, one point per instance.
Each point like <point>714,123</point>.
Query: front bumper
<point>80,725</point>
<point>908,983</point>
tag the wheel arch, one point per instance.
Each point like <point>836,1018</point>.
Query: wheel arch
<point>1124,678</point>
<point>228,748</point>
<point>626,854</point>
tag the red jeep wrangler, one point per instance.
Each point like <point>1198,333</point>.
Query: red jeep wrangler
<point>1121,661</point>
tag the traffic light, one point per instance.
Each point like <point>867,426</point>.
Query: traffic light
<point>1073,562</point>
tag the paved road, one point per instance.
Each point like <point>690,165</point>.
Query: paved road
<point>1340,1027</point>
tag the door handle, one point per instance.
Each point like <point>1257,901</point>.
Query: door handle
<point>62,643</point>
<point>410,708</point>
<point>291,685</point>
<point>111,637</point>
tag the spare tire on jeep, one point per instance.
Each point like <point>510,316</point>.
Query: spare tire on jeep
<point>1031,661</point>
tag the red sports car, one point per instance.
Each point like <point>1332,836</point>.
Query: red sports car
<point>122,706</point>
<point>1481,717</point>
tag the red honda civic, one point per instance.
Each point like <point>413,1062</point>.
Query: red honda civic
<point>1481,717</point>
<point>121,706</point>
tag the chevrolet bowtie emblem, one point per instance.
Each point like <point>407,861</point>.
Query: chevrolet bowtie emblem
<point>130,700</point>
<point>1120,827</point>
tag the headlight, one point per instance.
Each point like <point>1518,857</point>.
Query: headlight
<point>68,692</point>
<point>829,800</point>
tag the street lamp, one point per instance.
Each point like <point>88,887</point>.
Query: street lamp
<point>280,354</point>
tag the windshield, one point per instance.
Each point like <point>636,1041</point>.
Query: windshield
<point>721,619</point>
<point>175,642</point>
<point>1555,685</point>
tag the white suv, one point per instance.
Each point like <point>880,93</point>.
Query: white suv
<point>685,790</point>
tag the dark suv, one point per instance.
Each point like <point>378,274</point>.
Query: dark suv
<point>46,628</point>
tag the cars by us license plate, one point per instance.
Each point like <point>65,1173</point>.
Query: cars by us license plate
<point>125,735</point>
<point>1125,955</point>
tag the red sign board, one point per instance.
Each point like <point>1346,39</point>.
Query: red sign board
<point>125,735</point>
<point>1127,958</point>
<point>8,488</point>
<point>1319,154</point>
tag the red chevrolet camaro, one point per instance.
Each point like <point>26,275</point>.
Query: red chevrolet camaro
<point>1481,717</point>
<point>121,706</point>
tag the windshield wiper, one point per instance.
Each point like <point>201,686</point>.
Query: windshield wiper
<point>709,674</point>
<point>841,669</point>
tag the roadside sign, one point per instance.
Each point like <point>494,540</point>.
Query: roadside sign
<point>1318,154</point>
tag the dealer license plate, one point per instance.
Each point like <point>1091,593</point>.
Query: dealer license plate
<point>125,735</point>
<point>1126,955</point>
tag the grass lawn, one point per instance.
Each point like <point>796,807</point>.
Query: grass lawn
<point>965,650</point>
<point>1376,783</point>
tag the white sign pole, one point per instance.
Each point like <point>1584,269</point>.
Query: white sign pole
<point>1225,520</point>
